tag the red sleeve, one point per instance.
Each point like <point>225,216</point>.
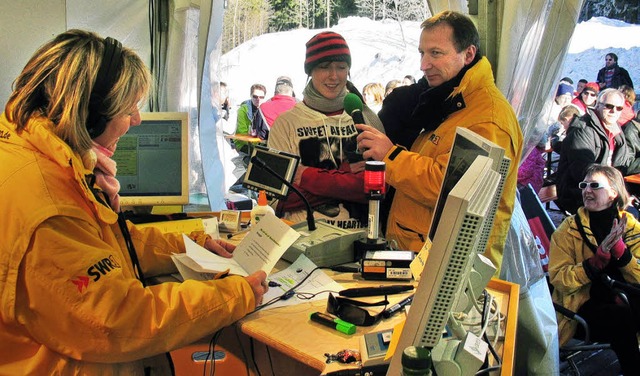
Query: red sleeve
<point>320,186</point>
<point>293,202</point>
<point>340,184</point>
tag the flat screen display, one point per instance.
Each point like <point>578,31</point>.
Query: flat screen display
<point>283,164</point>
<point>152,159</point>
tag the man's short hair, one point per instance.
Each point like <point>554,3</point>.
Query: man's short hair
<point>284,86</point>
<point>465,33</point>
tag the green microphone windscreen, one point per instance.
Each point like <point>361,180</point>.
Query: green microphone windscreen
<point>352,102</point>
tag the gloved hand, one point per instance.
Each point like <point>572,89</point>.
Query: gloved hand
<point>613,242</point>
<point>600,259</point>
<point>618,249</point>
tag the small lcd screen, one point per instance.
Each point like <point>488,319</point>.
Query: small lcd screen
<point>283,164</point>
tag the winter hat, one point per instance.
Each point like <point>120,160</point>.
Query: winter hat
<point>326,46</point>
<point>564,88</point>
<point>592,86</point>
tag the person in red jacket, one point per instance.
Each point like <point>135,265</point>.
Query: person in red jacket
<point>283,100</point>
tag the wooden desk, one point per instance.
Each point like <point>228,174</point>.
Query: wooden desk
<point>289,341</point>
<point>244,137</point>
<point>289,331</point>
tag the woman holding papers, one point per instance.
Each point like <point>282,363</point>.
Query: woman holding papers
<point>72,271</point>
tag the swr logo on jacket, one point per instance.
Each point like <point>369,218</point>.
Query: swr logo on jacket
<point>96,271</point>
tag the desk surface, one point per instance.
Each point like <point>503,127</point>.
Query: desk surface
<point>243,137</point>
<point>289,330</point>
<point>309,341</point>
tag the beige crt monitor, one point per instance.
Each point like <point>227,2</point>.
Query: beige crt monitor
<point>153,161</point>
<point>456,242</point>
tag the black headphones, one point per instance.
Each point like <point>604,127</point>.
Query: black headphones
<point>105,79</point>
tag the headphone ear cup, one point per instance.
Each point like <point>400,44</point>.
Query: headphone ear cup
<point>105,79</point>
<point>98,127</point>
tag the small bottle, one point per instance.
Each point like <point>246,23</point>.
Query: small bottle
<point>416,361</point>
<point>261,209</point>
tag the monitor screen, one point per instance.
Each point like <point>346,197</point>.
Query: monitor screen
<point>467,146</point>
<point>152,158</point>
<point>283,164</point>
<point>455,245</point>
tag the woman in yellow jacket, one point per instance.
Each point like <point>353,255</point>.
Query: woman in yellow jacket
<point>601,239</point>
<point>72,293</point>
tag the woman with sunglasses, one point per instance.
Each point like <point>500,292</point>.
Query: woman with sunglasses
<point>594,137</point>
<point>600,240</point>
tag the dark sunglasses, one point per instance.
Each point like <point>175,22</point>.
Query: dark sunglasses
<point>349,310</point>
<point>589,93</point>
<point>592,185</point>
<point>258,97</point>
<point>610,107</point>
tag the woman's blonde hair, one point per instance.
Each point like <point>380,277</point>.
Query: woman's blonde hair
<point>615,178</point>
<point>57,82</point>
<point>376,89</point>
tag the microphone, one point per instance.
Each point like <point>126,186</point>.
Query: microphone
<point>353,106</point>
<point>311,223</point>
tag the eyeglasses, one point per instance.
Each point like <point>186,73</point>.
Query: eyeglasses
<point>258,96</point>
<point>591,184</point>
<point>610,107</point>
<point>589,93</point>
<point>349,310</point>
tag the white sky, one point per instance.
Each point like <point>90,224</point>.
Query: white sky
<point>380,53</point>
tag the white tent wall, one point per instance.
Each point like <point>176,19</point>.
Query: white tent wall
<point>127,21</point>
<point>19,39</point>
<point>535,39</point>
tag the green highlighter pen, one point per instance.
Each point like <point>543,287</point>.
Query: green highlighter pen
<point>334,323</point>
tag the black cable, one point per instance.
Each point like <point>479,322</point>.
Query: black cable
<point>244,354</point>
<point>253,355</point>
<point>152,61</point>
<point>289,293</point>
<point>211,352</point>
<point>273,373</point>
<point>485,314</point>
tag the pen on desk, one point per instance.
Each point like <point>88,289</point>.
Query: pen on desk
<point>229,236</point>
<point>334,323</point>
<point>373,291</point>
<point>396,307</point>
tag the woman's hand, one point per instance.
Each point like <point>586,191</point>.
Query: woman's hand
<point>258,283</point>
<point>615,235</point>
<point>219,247</point>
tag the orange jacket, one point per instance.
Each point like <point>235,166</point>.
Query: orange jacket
<point>69,300</point>
<point>417,174</point>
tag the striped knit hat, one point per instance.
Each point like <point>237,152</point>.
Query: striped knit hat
<point>326,46</point>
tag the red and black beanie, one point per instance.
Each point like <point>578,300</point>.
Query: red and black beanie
<point>326,46</point>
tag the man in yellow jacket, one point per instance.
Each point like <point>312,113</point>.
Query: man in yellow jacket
<point>459,92</point>
<point>72,300</point>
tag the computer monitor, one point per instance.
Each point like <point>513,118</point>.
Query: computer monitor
<point>153,161</point>
<point>456,242</point>
<point>467,145</point>
<point>257,178</point>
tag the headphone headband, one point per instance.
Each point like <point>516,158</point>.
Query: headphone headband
<point>105,79</point>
